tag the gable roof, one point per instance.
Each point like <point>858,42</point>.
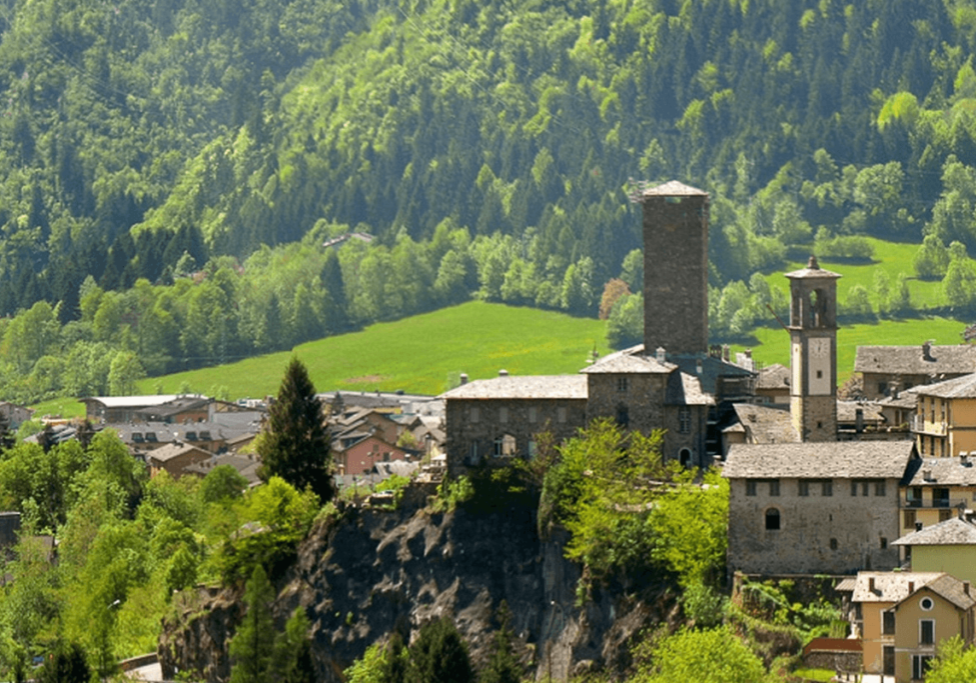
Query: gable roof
<point>775,376</point>
<point>522,387</point>
<point>910,360</point>
<point>890,586</point>
<point>840,459</point>
<point>870,412</point>
<point>685,390</point>
<point>953,531</point>
<point>630,361</point>
<point>957,387</point>
<point>952,589</point>
<point>941,472</point>
<point>173,450</point>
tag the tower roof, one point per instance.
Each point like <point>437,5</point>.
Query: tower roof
<point>813,270</point>
<point>673,188</point>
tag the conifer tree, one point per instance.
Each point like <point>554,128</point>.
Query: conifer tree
<point>503,666</point>
<point>296,444</point>
<point>292,661</point>
<point>439,655</point>
<point>252,647</point>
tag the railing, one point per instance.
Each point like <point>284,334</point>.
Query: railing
<point>937,503</point>
<point>938,428</point>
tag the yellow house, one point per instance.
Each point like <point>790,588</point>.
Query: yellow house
<point>946,547</point>
<point>936,490</point>
<point>900,617</point>
<point>945,417</point>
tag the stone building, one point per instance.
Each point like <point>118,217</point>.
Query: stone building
<point>886,370</point>
<point>815,508</point>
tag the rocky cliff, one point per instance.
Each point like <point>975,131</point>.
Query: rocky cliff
<point>375,571</point>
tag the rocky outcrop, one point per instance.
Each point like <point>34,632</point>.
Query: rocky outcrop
<point>376,571</point>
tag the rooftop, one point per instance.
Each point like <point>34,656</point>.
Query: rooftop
<point>766,425</point>
<point>522,387</point>
<point>950,361</point>
<point>840,459</point>
<point>775,376</point>
<point>953,531</point>
<point>890,586</point>
<point>942,472</point>
<point>813,270</point>
<point>673,188</point>
<point>957,387</point>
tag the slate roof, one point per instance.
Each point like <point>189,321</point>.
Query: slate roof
<point>957,387</point>
<point>890,586</point>
<point>909,360</point>
<point>847,412</point>
<point>685,390</point>
<point>951,588</point>
<point>775,376</point>
<point>173,450</point>
<point>942,472</point>
<point>813,270</point>
<point>953,531</point>
<point>133,401</point>
<point>632,361</point>
<point>840,460</point>
<point>522,387</point>
<point>673,188</point>
<point>766,425</point>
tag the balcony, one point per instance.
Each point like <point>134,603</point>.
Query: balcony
<point>920,426</point>
<point>937,503</point>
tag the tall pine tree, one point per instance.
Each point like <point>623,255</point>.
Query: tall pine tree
<point>296,444</point>
<point>252,647</point>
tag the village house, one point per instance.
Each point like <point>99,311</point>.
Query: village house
<point>945,417</point>
<point>174,458</point>
<point>900,617</point>
<point>124,408</point>
<point>15,415</point>
<point>773,385</point>
<point>948,546</point>
<point>885,370</point>
<point>362,456</point>
<point>814,508</point>
<point>935,490</point>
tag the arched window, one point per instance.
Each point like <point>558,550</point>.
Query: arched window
<point>684,456</point>
<point>772,519</point>
<point>623,416</point>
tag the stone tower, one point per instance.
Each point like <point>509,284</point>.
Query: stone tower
<point>675,269</point>
<point>813,336</point>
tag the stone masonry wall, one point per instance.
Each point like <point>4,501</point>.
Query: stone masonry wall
<point>802,545</point>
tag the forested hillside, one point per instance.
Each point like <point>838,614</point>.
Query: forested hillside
<point>191,157</point>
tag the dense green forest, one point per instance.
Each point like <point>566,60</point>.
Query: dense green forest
<point>170,170</point>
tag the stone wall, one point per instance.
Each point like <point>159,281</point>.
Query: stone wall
<point>808,524</point>
<point>474,426</point>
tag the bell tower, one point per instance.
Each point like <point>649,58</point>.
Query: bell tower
<point>813,352</point>
<point>675,269</point>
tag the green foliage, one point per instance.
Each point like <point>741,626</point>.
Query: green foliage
<point>704,656</point>
<point>502,666</point>
<point>66,664</point>
<point>625,326</point>
<point>452,493</point>
<point>296,444</point>
<point>954,662</point>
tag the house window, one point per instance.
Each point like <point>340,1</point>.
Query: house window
<point>833,544</point>
<point>926,603</point>
<point>474,415</point>
<point>684,420</point>
<point>804,487</point>
<point>827,488</point>
<point>533,450</point>
<point>879,488</point>
<point>533,414</point>
<point>560,414</point>
<point>473,451</point>
<point>888,623</point>
<point>909,522</point>
<point>853,488</point>
<point>622,384</point>
<point>920,666</point>
<point>884,543</point>
<point>940,498</point>
<point>926,632</point>
<point>684,457</point>
<point>888,660</point>
<point>774,487</point>
<point>503,415</point>
<point>750,487</point>
<point>882,388</point>
<point>772,519</point>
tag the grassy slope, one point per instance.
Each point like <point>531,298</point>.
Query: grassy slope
<point>419,354</point>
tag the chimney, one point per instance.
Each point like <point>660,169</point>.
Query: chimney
<point>661,355</point>
<point>464,378</point>
<point>918,526</point>
<point>965,587</point>
<point>911,587</point>
<point>503,373</point>
<point>859,420</point>
<point>964,459</point>
<point>927,351</point>
<point>871,584</point>
<point>927,475</point>
<point>699,368</point>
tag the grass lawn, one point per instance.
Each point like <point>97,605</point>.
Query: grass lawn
<point>418,354</point>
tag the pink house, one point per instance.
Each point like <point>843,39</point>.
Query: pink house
<point>360,457</point>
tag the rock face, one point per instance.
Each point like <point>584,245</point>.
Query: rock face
<point>377,571</point>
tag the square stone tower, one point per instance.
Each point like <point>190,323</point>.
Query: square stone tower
<point>675,269</point>
<point>813,349</point>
